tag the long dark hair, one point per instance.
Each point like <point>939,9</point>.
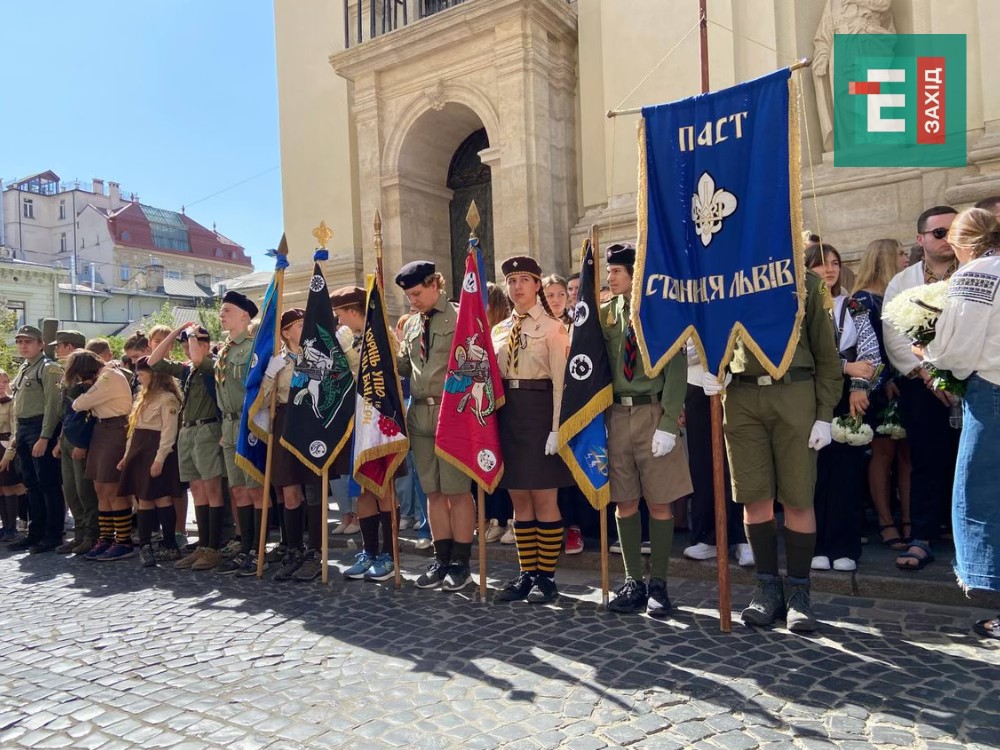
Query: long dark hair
<point>81,366</point>
<point>816,256</point>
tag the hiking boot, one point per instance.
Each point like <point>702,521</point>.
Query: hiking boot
<point>67,547</point>
<point>382,570</point>
<point>658,603</point>
<point>362,562</point>
<point>433,576</point>
<point>543,591</point>
<point>630,598</point>
<point>98,549</point>
<point>249,569</point>
<point>311,567</point>
<point>167,554</point>
<point>516,588</point>
<point>457,578</point>
<point>146,556</point>
<point>800,618</point>
<point>768,602</point>
<point>289,564</point>
<point>230,566</point>
<point>83,547</point>
<point>208,560</point>
<point>188,560</point>
<point>117,552</point>
<point>277,554</point>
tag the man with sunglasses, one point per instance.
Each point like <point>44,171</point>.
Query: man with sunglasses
<point>924,411</point>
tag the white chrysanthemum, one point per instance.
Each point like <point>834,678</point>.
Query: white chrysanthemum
<point>911,318</point>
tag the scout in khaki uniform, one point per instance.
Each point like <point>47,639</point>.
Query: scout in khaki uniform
<point>643,455</point>
<point>531,347</point>
<point>773,430</point>
<point>12,493</point>
<point>423,358</point>
<point>230,372</point>
<point>199,456</point>
<point>36,409</point>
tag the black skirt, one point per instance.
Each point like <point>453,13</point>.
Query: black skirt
<point>525,424</point>
<point>10,477</point>
<point>286,469</point>
<point>135,474</point>
<point>106,449</point>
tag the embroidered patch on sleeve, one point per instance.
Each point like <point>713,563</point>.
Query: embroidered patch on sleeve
<point>975,287</point>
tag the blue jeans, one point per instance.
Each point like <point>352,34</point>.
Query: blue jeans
<point>340,493</point>
<point>413,499</point>
<point>975,513</point>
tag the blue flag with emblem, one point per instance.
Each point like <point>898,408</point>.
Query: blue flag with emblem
<point>583,436</point>
<point>719,223</point>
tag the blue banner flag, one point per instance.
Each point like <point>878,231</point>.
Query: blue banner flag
<point>719,219</point>
<point>583,437</point>
<point>255,421</point>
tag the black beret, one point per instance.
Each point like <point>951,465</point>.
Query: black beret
<point>241,301</point>
<point>291,315</point>
<point>521,264</point>
<point>415,273</point>
<point>620,254</point>
<point>348,295</point>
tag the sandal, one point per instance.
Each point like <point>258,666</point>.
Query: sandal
<point>922,560</point>
<point>907,528</point>
<point>896,542</point>
<point>988,628</point>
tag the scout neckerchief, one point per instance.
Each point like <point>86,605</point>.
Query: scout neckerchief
<point>514,341</point>
<point>425,333</point>
<point>220,370</point>
<point>631,347</point>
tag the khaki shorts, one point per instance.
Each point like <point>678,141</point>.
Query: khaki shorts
<point>767,439</point>
<point>235,475</point>
<point>634,471</point>
<point>198,452</point>
<point>436,474</point>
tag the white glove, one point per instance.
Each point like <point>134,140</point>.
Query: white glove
<point>345,337</point>
<point>552,444</point>
<point>274,365</point>
<point>711,385</point>
<point>663,443</point>
<point>820,437</point>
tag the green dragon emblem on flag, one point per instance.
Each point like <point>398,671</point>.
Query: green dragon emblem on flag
<point>329,377</point>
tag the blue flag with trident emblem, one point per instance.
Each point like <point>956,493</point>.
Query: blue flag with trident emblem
<point>719,221</point>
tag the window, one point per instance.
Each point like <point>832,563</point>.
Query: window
<point>126,273</point>
<point>218,252</point>
<point>126,236</point>
<point>83,242</point>
<point>29,208</point>
<point>18,309</point>
<point>172,274</point>
<point>62,242</point>
<point>168,229</point>
<point>62,210</point>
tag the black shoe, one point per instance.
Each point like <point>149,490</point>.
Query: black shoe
<point>800,618</point>
<point>21,544</point>
<point>311,567</point>
<point>146,556</point>
<point>290,563</point>
<point>516,588</point>
<point>433,576</point>
<point>658,603</point>
<point>543,591</point>
<point>231,565</point>
<point>458,577</point>
<point>37,549</point>
<point>630,598</point>
<point>768,603</point>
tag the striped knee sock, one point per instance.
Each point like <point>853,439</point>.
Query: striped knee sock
<point>106,525</point>
<point>526,537</point>
<point>550,542</point>
<point>123,526</point>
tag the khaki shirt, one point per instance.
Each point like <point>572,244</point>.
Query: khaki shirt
<point>8,425</point>
<point>283,379</point>
<point>544,346</point>
<point>37,393</point>
<point>109,396</point>
<point>230,371</point>
<point>198,402</point>
<point>669,387</point>
<point>427,378</point>
<point>816,350</point>
<point>160,415</point>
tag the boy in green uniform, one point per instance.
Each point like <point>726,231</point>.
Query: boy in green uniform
<point>773,430</point>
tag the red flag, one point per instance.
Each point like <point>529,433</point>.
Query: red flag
<point>468,434</point>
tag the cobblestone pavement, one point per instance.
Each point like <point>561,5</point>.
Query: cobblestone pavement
<point>110,655</point>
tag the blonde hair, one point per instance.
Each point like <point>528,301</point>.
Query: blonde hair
<point>878,265</point>
<point>976,230</point>
<point>159,382</point>
<point>158,333</point>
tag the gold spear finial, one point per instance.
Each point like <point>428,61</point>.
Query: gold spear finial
<point>472,219</point>
<point>378,234</point>
<point>283,245</point>
<point>322,233</point>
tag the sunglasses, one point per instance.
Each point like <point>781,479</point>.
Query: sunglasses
<point>939,234</point>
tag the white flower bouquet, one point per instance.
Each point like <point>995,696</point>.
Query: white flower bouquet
<point>851,430</point>
<point>891,425</point>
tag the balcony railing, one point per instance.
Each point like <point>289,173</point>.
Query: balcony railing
<point>367,19</point>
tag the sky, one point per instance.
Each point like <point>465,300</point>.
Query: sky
<point>176,100</point>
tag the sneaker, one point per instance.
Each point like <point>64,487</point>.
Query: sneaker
<point>188,560</point>
<point>382,569</point>
<point>820,562</point>
<point>658,603</point>
<point>352,528</point>
<point>68,523</point>
<point>249,569</point>
<point>406,522</point>
<point>180,540</point>
<point>574,541</point>
<point>362,562</point>
<point>311,567</point>
<point>117,552</point>
<point>433,576</point>
<point>645,548</point>
<point>768,602</point>
<point>423,543</point>
<point>339,528</point>
<point>493,531</point>
<point>208,560</point>
<point>277,554</point>
<point>289,564</point>
<point>800,618</point>
<point>508,535</point>
<point>543,591</point>
<point>630,598</point>
<point>516,588</point>
<point>146,556</point>
<point>615,548</point>
<point>230,566</point>
<point>97,550</point>
<point>232,547</point>
<point>167,554</point>
<point>845,564</point>
<point>457,577</point>
<point>700,551</point>
<point>157,536</point>
<point>744,556</point>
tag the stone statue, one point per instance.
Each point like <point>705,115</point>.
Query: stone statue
<point>842,17</point>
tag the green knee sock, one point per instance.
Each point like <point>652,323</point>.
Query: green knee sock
<point>630,539</point>
<point>661,542</point>
<point>799,549</point>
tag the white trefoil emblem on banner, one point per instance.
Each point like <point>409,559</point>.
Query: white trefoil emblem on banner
<point>709,207</point>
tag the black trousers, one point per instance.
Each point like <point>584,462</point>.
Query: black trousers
<point>698,418</point>
<point>840,487</point>
<point>46,509</point>
<point>933,450</point>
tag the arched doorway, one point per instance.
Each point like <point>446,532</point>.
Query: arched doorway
<point>470,180</point>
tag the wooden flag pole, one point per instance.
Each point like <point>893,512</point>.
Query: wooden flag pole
<point>279,290</point>
<point>605,585</point>
<point>326,524</point>
<point>472,219</point>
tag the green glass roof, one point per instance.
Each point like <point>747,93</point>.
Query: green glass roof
<point>162,216</point>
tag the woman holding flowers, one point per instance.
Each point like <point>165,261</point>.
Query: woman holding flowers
<point>840,466</point>
<point>967,342</point>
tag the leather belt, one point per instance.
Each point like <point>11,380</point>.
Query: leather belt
<point>633,400</point>
<point>523,384</point>
<point>199,422</point>
<point>792,376</point>
<point>112,420</point>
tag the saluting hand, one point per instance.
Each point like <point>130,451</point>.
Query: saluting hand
<point>663,443</point>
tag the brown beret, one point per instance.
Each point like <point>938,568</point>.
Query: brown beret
<point>521,264</point>
<point>347,295</point>
<point>290,316</point>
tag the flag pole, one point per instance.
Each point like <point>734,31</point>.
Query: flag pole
<point>325,515</point>
<point>393,503</point>
<point>595,244</point>
<point>279,290</point>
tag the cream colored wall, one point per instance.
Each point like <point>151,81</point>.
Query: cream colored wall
<point>35,287</point>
